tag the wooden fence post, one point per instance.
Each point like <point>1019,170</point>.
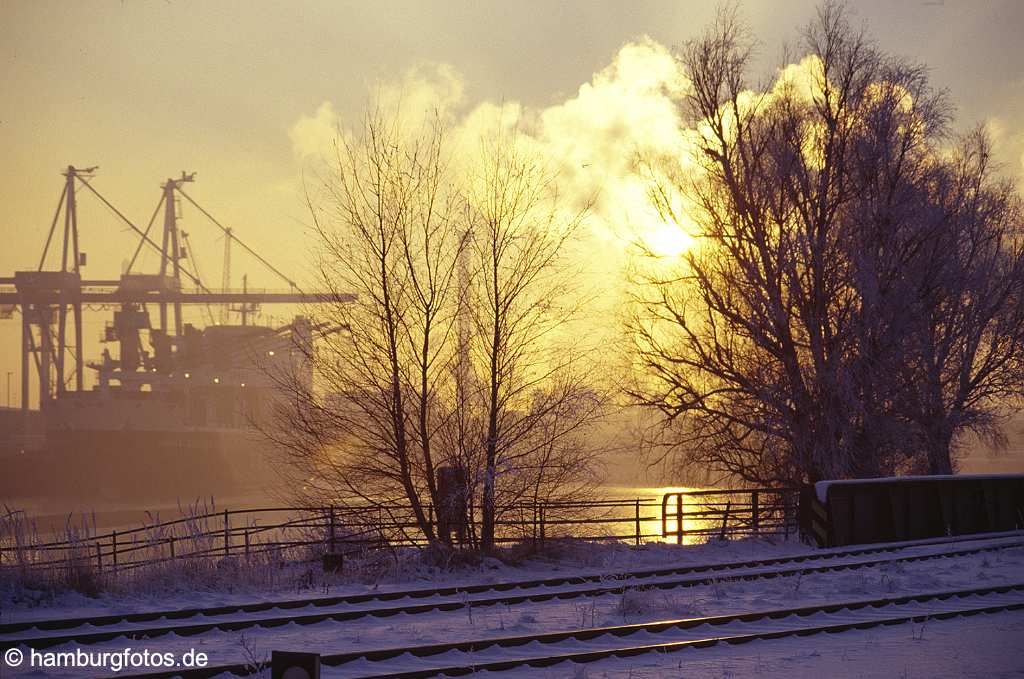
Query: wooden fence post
<point>172,546</point>
<point>679,518</point>
<point>638,522</point>
<point>227,535</point>
<point>541,523</point>
<point>99,557</point>
<point>725,521</point>
<point>246,544</point>
<point>380,527</point>
<point>331,543</point>
<point>785,513</point>
<point>533,530</point>
<point>755,512</point>
<point>113,547</point>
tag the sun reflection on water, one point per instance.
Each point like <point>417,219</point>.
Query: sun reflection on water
<point>651,512</point>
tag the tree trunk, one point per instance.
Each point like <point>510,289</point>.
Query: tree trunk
<point>939,441</point>
<point>487,532</point>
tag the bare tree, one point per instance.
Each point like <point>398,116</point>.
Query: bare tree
<point>389,223</point>
<point>760,319</point>
<point>537,397</point>
<point>448,387</point>
<point>780,349</point>
<point>966,365</point>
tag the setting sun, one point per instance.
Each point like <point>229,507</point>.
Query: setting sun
<point>667,241</point>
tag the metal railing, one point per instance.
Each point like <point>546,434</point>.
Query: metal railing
<point>699,514</point>
<point>301,532</point>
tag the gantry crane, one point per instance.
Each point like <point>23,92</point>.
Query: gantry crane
<point>46,297</point>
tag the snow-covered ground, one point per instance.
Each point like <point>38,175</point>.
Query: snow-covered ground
<point>989,644</point>
<point>407,571</point>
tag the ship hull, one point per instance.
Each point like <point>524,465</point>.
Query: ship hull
<point>177,425</point>
<point>140,468</point>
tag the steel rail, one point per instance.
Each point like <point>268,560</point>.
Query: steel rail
<point>545,658</point>
<point>66,623</point>
<point>711,573</point>
<point>451,590</point>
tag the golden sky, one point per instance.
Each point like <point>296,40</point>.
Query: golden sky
<point>243,92</point>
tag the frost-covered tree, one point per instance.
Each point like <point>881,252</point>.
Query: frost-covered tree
<point>837,263</point>
<point>964,359</point>
<point>537,393</point>
<point>444,392</point>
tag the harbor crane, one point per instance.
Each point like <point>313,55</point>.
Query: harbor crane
<point>50,301</point>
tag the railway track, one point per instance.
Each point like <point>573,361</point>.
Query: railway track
<point>190,622</point>
<point>592,644</point>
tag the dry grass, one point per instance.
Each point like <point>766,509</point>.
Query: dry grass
<point>187,554</point>
<point>72,567</point>
<point>636,602</point>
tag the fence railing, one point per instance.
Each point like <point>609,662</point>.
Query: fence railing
<point>293,532</point>
<point>699,514</point>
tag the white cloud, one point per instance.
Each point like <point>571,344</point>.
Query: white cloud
<point>314,135</point>
<point>422,91</point>
<point>628,109</point>
<point>592,140</point>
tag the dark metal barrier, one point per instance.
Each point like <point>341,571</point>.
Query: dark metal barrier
<point>910,508</point>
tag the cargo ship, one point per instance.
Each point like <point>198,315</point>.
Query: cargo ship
<point>180,419</point>
<point>171,411</point>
